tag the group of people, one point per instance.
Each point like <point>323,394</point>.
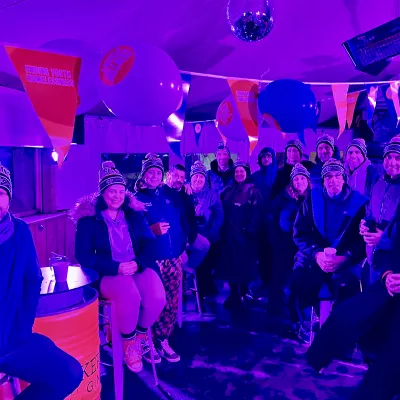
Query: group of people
<point>226,224</point>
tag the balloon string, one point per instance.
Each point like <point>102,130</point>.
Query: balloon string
<point>212,76</point>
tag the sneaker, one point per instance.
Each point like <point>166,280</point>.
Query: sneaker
<point>133,353</point>
<point>147,348</point>
<point>165,350</point>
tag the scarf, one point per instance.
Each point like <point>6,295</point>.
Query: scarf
<point>6,228</point>
<point>357,179</point>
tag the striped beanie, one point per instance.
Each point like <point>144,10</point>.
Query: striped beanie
<point>360,144</point>
<point>393,146</point>
<point>198,168</point>
<point>294,143</point>
<point>332,165</point>
<point>109,175</point>
<point>326,139</point>
<point>5,180</point>
<point>299,169</point>
<point>151,160</point>
<point>222,146</point>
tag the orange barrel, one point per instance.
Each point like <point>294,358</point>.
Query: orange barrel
<point>76,331</point>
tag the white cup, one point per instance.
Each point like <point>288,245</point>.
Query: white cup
<point>61,271</point>
<point>330,253</point>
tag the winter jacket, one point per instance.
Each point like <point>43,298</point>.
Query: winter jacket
<point>209,214</point>
<point>190,222</point>
<point>165,205</point>
<point>217,179</point>
<point>20,281</point>
<point>363,178</point>
<point>309,228</point>
<point>265,177</point>
<point>316,170</point>
<point>92,242</point>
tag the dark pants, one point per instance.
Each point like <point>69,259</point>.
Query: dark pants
<point>205,279</point>
<point>52,373</point>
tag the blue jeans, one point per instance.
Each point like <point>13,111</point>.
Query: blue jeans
<point>196,252</point>
<point>52,373</point>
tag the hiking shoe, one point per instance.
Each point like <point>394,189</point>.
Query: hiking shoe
<point>147,348</point>
<point>133,353</point>
<point>166,351</point>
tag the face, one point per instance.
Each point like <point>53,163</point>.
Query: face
<point>197,182</point>
<point>240,174</point>
<point>354,157</point>
<point>391,164</point>
<point>176,179</point>
<point>324,152</point>
<point>153,177</point>
<point>293,155</point>
<point>300,183</point>
<point>222,157</point>
<point>4,203</point>
<point>333,183</point>
<point>266,159</point>
<point>114,196</point>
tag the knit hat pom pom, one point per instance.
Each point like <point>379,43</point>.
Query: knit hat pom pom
<point>108,164</point>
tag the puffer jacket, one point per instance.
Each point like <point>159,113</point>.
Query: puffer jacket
<point>217,179</point>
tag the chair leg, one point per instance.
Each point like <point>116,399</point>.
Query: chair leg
<point>180,303</point>
<point>118,355</point>
<point>153,364</point>
<point>197,294</point>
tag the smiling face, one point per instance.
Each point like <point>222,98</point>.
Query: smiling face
<point>300,183</point>
<point>114,196</point>
<point>222,157</point>
<point>354,157</point>
<point>391,164</point>
<point>240,174</point>
<point>324,152</point>
<point>176,179</point>
<point>153,177</point>
<point>4,203</point>
<point>333,182</point>
<point>197,182</point>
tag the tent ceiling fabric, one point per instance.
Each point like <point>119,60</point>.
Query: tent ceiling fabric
<point>305,43</point>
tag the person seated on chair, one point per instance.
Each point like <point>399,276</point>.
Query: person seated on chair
<point>51,373</point>
<point>328,218</point>
<point>210,217</point>
<point>167,219</point>
<point>110,238</point>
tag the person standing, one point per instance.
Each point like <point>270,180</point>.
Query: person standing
<point>221,174</point>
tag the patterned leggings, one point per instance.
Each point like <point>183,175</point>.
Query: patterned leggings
<point>171,275</point>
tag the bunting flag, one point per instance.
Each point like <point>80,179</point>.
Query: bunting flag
<point>394,87</point>
<point>197,127</point>
<point>351,107</point>
<point>51,83</point>
<point>340,98</point>
<point>245,94</point>
<point>173,126</point>
<point>372,91</point>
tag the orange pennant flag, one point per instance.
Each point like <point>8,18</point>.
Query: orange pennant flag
<point>245,94</point>
<point>340,98</point>
<point>351,106</point>
<point>51,83</point>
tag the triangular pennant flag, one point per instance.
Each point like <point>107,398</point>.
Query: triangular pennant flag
<point>372,91</point>
<point>351,107</point>
<point>51,83</point>
<point>245,94</point>
<point>301,137</point>
<point>394,87</point>
<point>340,97</point>
<point>197,127</point>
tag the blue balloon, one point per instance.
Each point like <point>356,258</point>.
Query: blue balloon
<point>291,103</point>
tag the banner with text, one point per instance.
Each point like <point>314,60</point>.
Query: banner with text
<point>51,83</point>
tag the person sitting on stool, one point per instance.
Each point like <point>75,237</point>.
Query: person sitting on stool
<point>34,358</point>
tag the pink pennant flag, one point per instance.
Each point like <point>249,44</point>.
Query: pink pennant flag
<point>351,106</point>
<point>340,98</point>
<point>394,87</point>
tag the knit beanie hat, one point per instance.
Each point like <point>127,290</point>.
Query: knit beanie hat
<point>151,160</point>
<point>244,164</point>
<point>393,146</point>
<point>360,144</point>
<point>326,139</point>
<point>332,165</point>
<point>221,146</point>
<point>109,175</point>
<point>299,169</point>
<point>294,143</point>
<point>198,168</point>
<point>5,180</point>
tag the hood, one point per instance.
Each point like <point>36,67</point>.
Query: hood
<point>86,206</point>
<point>263,151</point>
<point>214,166</point>
<point>392,181</point>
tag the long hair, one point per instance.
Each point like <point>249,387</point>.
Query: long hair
<point>293,192</point>
<point>101,204</point>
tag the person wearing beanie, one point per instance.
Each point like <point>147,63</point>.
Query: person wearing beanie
<point>293,155</point>
<point>361,174</point>
<point>167,218</point>
<point>50,372</point>
<point>265,177</point>
<point>238,252</point>
<point>384,199</point>
<point>284,211</point>
<point>209,218</point>
<point>328,218</point>
<point>110,238</point>
<point>220,175</point>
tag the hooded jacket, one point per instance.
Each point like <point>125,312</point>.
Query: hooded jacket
<point>265,177</point>
<point>219,180</point>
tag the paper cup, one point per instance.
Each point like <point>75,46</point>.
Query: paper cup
<point>61,271</point>
<point>330,253</point>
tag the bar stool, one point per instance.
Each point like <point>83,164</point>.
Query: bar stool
<point>9,386</point>
<point>110,314</point>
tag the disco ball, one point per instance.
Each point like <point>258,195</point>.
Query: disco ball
<point>250,20</point>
